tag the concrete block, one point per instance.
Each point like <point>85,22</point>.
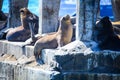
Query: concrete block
<point>90,76</point>
<point>29,51</point>
<point>10,71</point>
<point>77,57</point>
<point>3,47</point>
<point>6,71</point>
<point>72,57</point>
<point>11,48</point>
<point>15,48</point>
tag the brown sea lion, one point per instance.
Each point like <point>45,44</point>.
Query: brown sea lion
<point>105,35</point>
<point>22,33</point>
<point>34,38</point>
<point>58,39</point>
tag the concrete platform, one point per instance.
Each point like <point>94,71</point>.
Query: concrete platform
<point>74,61</point>
<point>90,76</point>
<point>80,58</point>
<point>15,48</point>
<point>10,71</point>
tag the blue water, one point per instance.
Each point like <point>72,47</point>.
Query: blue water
<point>66,7</point>
<point>5,7</point>
<point>33,6</point>
<point>106,10</point>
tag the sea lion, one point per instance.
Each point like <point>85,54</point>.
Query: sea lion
<point>105,35</point>
<point>58,39</point>
<point>22,33</point>
<point>34,38</point>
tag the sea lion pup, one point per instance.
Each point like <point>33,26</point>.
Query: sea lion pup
<point>105,36</point>
<point>22,33</point>
<point>60,38</point>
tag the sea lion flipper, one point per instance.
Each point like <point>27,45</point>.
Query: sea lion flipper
<point>31,26</point>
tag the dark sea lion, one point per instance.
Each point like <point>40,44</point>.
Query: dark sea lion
<point>106,36</point>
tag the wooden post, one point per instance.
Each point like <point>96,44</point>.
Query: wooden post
<point>48,18</point>
<point>116,9</point>
<point>86,18</point>
<point>15,5</point>
<point>1,2</point>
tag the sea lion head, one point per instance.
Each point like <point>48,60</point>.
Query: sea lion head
<point>65,21</point>
<point>27,17</point>
<point>103,30</point>
<point>24,12</point>
<point>66,18</point>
